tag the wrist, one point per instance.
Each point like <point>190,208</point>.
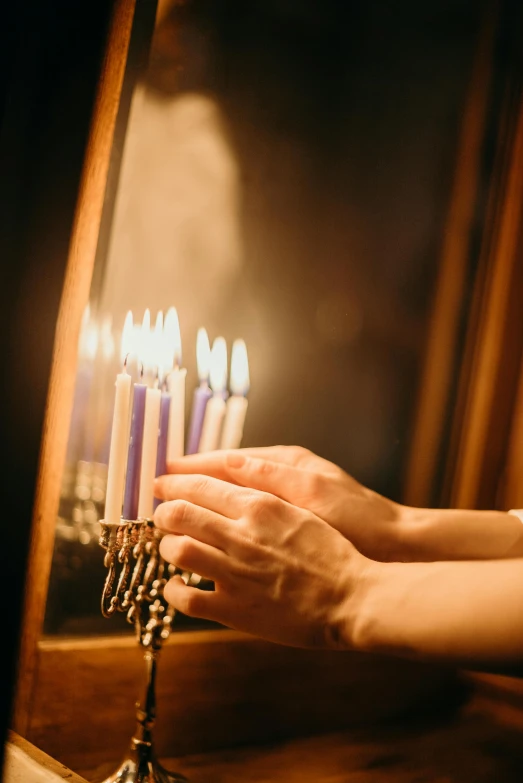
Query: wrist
<point>458,534</point>
<point>354,625</point>
<point>384,595</point>
<point>398,538</point>
<point>414,532</point>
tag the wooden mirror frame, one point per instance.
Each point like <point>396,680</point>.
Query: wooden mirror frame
<point>50,67</point>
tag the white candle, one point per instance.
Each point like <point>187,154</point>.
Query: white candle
<point>119,436</point>
<point>175,386</point>
<point>149,452</point>
<point>216,407</point>
<point>237,403</point>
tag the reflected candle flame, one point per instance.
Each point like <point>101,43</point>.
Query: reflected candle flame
<point>89,337</point>
<point>240,380</point>
<point>218,371</point>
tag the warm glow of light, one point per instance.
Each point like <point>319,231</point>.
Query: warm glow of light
<point>107,339</point>
<point>239,368</point>
<point>218,373</point>
<point>88,341</point>
<point>203,355</point>
<point>86,317</point>
<point>127,344</point>
<point>173,339</point>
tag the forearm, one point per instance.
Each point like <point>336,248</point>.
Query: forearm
<point>448,534</point>
<point>468,614</point>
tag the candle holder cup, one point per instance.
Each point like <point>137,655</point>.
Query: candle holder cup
<point>136,576</point>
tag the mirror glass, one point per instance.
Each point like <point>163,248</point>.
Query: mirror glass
<point>284,178</point>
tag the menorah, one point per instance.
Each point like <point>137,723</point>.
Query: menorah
<point>135,580</point>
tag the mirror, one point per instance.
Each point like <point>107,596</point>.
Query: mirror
<point>284,178</point>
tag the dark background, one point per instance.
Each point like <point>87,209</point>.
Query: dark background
<point>343,120</point>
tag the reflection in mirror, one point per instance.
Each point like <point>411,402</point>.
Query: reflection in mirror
<point>285,180</point>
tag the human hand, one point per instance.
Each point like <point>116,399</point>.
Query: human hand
<point>370,521</point>
<point>280,572</point>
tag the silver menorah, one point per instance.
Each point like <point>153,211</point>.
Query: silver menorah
<point>136,576</point>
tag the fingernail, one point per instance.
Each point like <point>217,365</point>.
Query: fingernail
<point>235,460</point>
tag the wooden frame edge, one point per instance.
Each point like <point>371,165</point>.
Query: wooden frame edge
<point>75,295</point>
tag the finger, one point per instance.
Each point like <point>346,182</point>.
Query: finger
<point>276,478</point>
<point>193,602</point>
<point>207,491</point>
<point>190,555</point>
<point>184,518</point>
<point>214,463</point>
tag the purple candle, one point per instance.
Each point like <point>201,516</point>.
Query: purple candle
<point>201,397</point>
<point>161,454</point>
<point>79,428</point>
<point>134,458</point>
<point>202,393</point>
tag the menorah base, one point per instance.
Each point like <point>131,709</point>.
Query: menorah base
<point>142,767</point>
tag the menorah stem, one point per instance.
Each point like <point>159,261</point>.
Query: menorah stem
<point>146,709</point>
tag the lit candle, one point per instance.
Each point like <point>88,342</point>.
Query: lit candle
<point>134,458</point>
<point>202,394</point>
<point>163,433</point>
<point>163,360</point>
<point>216,407</point>
<point>149,452</point>
<point>119,436</point>
<point>237,403</point>
<point>175,385</point>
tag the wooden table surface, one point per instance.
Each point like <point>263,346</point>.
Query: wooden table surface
<point>478,746</point>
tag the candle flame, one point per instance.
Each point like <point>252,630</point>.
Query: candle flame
<point>240,380</point>
<point>218,372</point>
<point>173,337</point>
<point>159,358</point>
<point>203,355</point>
<point>127,344</point>
<point>144,352</point>
<point>158,327</point>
